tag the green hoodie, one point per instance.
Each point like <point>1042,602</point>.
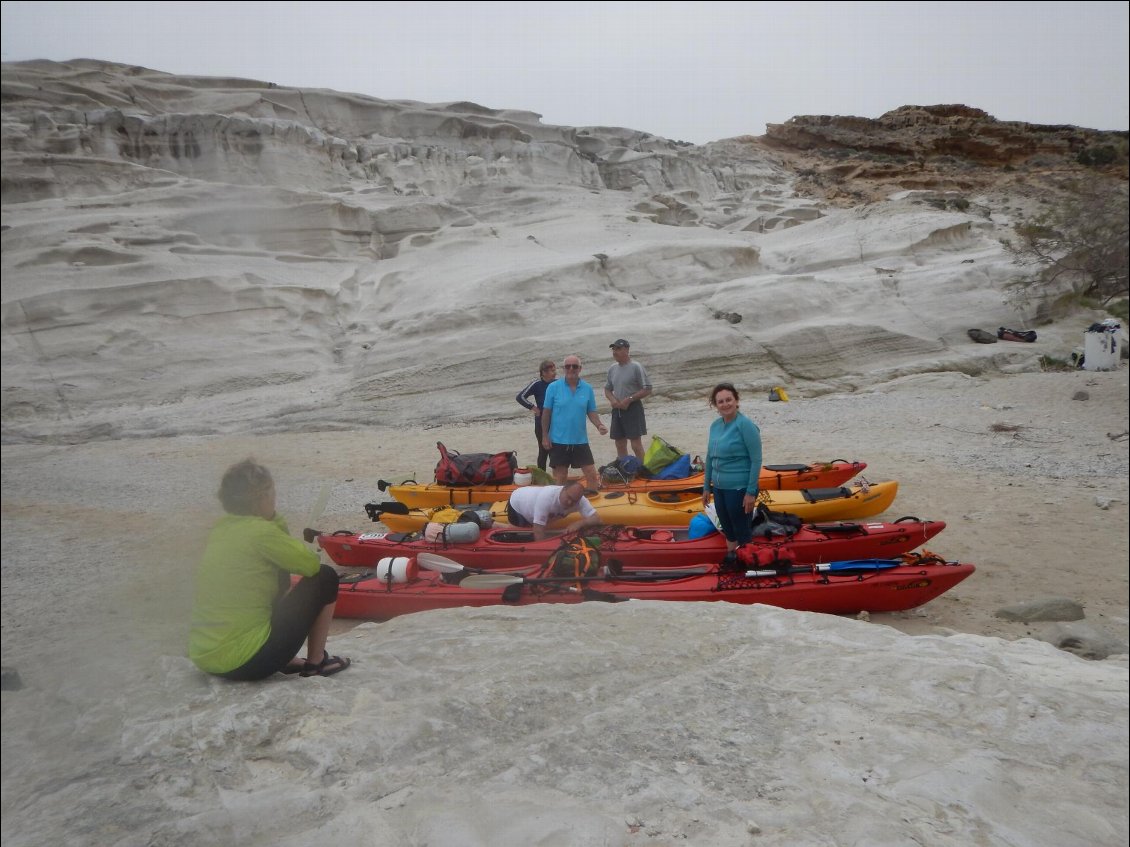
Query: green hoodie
<point>237,583</point>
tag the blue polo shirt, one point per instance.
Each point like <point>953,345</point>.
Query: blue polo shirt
<point>570,408</point>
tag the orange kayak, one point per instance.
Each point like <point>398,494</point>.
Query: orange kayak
<point>676,508</point>
<point>418,495</point>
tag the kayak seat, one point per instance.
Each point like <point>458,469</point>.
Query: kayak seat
<point>513,536</point>
<point>843,528</point>
<point>817,495</point>
<point>782,468</point>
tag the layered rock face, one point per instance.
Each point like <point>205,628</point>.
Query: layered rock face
<point>191,254</point>
<point>946,147</point>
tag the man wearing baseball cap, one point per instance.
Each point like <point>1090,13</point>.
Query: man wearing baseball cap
<point>627,385</point>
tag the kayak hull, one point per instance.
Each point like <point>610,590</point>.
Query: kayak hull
<point>654,547</point>
<point>677,508</point>
<point>773,478</point>
<point>893,590</point>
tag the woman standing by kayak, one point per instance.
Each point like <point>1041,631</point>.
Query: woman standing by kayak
<point>733,464</point>
<point>547,373</point>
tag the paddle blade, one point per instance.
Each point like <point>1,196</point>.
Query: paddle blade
<point>489,580</point>
<point>860,565</point>
<point>436,562</point>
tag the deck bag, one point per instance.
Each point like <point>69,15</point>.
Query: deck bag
<point>769,524</point>
<point>659,455</point>
<point>444,514</point>
<point>678,469</point>
<point>480,517</point>
<point>756,557</point>
<point>456,468</point>
<point>621,471</point>
<point>577,557</point>
<point>452,533</point>
<point>700,527</point>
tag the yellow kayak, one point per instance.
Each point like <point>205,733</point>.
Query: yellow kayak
<point>419,495</point>
<point>676,508</point>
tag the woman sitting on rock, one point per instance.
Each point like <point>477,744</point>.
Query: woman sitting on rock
<point>247,620</point>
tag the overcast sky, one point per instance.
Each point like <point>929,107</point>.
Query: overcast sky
<point>688,71</point>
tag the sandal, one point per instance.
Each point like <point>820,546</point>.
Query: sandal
<point>293,667</point>
<point>327,667</point>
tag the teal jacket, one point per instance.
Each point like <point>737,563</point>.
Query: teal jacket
<point>733,455</point>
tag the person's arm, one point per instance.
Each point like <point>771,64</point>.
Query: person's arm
<point>589,516</point>
<point>547,404</point>
<point>526,392</point>
<point>706,468</point>
<point>639,395</point>
<point>576,525</point>
<point>541,533</point>
<point>284,551</point>
<point>645,391</point>
<point>610,397</point>
<point>546,417</point>
<point>595,419</point>
<point>751,435</point>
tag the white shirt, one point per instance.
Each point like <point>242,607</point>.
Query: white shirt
<point>539,504</point>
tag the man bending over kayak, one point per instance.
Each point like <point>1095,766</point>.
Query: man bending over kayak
<point>537,505</point>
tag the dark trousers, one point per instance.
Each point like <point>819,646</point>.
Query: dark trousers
<point>543,454</point>
<point>293,615</point>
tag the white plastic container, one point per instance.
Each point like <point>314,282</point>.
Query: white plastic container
<point>523,478</point>
<point>400,569</point>
<point>1100,349</point>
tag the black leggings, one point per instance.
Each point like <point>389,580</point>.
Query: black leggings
<point>293,615</point>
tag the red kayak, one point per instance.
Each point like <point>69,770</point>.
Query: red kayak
<point>656,547</point>
<point>871,585</point>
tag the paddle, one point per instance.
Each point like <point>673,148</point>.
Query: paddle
<point>436,562</point>
<point>480,579</point>
<point>498,580</point>
<point>850,566</point>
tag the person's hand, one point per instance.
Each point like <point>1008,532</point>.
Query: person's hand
<point>602,429</point>
<point>705,499</point>
<point>547,443</point>
<point>748,502</point>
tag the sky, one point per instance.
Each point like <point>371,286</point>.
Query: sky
<point>694,72</point>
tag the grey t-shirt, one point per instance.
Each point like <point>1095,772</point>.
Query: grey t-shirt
<point>626,380</point>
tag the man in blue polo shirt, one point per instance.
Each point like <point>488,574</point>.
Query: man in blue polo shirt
<point>569,403</point>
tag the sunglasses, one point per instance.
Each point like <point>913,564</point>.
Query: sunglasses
<point>572,367</point>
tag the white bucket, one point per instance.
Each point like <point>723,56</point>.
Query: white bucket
<point>1100,351</point>
<point>523,478</point>
<point>399,569</point>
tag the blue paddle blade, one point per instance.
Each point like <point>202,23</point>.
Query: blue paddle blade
<point>860,565</point>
